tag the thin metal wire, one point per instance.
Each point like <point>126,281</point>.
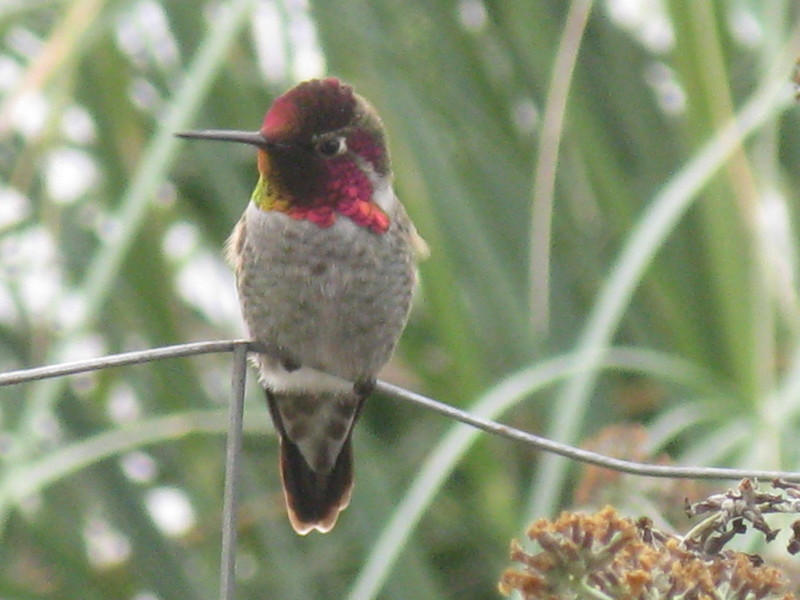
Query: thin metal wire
<point>398,393</point>
<point>232,467</point>
<point>579,454</point>
<point>120,360</point>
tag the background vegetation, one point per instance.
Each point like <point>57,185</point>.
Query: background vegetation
<point>610,260</point>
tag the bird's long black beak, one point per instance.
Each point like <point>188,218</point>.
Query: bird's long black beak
<point>253,138</point>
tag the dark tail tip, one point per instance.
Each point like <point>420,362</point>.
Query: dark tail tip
<point>314,500</point>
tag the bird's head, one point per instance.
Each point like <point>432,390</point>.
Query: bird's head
<point>321,152</point>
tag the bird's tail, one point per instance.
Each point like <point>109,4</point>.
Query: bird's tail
<point>314,500</point>
<point>316,456</point>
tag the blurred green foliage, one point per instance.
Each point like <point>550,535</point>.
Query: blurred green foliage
<point>661,290</point>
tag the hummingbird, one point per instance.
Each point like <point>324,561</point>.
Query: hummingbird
<point>325,263</point>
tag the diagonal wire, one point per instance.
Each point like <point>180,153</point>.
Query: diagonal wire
<point>578,454</point>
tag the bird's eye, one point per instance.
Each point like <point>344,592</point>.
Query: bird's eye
<point>331,147</point>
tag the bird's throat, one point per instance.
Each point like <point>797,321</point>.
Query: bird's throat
<point>364,213</point>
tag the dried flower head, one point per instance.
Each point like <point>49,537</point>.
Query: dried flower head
<point>604,555</point>
<point>729,513</point>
